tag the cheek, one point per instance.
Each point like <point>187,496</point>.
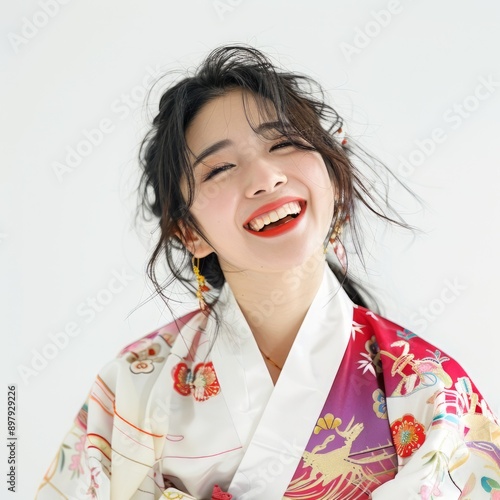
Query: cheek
<point>215,209</point>
<point>207,199</point>
<point>316,172</point>
<point>324,187</point>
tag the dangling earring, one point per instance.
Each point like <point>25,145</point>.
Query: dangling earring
<point>337,246</point>
<point>202,287</point>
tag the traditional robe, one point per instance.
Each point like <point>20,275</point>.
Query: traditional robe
<point>362,409</point>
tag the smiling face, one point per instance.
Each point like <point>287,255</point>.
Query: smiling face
<point>263,203</point>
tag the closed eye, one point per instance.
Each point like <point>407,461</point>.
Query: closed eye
<point>217,170</point>
<point>294,143</point>
<point>282,144</point>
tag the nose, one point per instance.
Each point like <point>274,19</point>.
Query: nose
<point>264,177</point>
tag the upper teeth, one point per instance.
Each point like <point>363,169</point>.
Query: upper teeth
<point>259,222</point>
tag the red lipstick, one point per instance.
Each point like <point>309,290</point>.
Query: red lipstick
<point>282,228</point>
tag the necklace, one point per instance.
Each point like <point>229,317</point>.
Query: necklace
<point>270,360</point>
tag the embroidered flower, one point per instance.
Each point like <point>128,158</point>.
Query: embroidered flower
<point>218,494</point>
<point>429,492</point>
<point>142,366</point>
<point>142,355</point>
<point>326,422</point>
<point>137,346</point>
<point>202,382</point>
<point>182,379</point>
<point>95,481</point>
<point>407,434</point>
<point>380,404</point>
<point>76,459</point>
<point>205,383</point>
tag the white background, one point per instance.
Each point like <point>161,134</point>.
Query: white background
<point>62,237</point>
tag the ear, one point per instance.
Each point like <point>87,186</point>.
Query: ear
<point>193,242</point>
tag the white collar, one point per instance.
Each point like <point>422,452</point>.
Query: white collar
<point>274,423</point>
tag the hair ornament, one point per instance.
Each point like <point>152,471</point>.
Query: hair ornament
<point>341,136</point>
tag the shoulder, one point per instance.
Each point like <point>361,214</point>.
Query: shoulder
<point>407,358</point>
<point>439,421</point>
<point>164,337</point>
<point>144,358</point>
<point>391,336</point>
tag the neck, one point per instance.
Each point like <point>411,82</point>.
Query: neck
<point>275,304</point>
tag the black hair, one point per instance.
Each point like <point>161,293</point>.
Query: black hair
<point>298,103</point>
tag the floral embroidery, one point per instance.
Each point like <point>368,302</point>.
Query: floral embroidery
<point>142,366</point>
<point>408,435</point>
<point>202,382</point>
<point>137,347</point>
<point>76,459</point>
<point>429,492</point>
<point>326,422</point>
<point>218,494</point>
<point>142,355</point>
<point>380,403</point>
<point>94,482</point>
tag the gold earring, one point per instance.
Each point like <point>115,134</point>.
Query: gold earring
<point>202,287</point>
<point>337,246</point>
<point>336,232</point>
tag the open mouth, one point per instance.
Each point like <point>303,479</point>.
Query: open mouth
<point>278,220</point>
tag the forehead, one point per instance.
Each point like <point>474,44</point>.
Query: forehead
<point>237,111</point>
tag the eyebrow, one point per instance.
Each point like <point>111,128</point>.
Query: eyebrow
<point>217,146</point>
<point>211,150</point>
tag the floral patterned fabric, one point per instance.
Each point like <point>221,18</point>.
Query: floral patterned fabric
<point>180,412</point>
<point>399,404</point>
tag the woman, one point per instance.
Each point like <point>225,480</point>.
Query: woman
<point>283,384</point>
